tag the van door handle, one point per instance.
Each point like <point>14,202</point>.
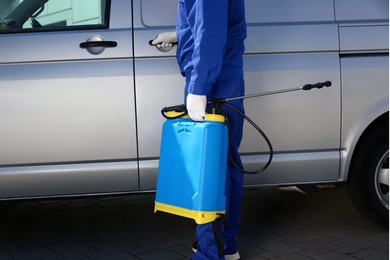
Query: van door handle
<point>104,44</point>
<point>166,49</point>
<point>96,44</point>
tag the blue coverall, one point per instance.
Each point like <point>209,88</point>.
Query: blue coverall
<point>211,37</point>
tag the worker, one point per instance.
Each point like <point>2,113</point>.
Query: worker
<point>210,37</point>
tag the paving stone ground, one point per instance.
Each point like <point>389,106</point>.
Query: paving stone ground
<point>276,223</point>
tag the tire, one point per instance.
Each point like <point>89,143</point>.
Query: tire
<point>368,185</point>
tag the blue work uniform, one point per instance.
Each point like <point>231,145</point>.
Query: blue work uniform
<point>211,37</point>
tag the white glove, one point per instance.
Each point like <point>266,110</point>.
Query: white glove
<point>196,106</point>
<point>165,39</point>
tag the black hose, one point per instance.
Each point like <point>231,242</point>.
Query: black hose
<point>271,150</point>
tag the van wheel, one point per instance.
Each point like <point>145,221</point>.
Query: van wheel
<point>368,185</point>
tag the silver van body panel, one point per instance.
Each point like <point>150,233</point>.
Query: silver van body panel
<point>369,75</point>
<point>373,38</point>
<point>66,112</point>
<point>291,38</point>
<point>315,130</point>
<point>35,47</point>
<point>286,11</point>
<point>361,10</point>
<point>68,179</point>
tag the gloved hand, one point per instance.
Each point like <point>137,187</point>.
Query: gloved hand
<point>196,106</point>
<point>165,39</point>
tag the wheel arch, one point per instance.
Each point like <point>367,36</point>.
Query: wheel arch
<point>383,119</point>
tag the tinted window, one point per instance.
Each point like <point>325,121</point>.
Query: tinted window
<point>38,15</point>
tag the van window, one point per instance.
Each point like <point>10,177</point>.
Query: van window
<point>43,15</point>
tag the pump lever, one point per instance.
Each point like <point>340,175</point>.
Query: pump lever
<point>180,109</point>
<point>177,108</point>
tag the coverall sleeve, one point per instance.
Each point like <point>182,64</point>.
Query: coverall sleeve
<point>210,35</point>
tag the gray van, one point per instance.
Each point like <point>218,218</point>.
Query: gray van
<point>81,91</point>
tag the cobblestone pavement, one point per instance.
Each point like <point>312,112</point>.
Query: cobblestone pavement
<point>277,223</point>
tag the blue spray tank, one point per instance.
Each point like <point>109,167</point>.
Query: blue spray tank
<point>192,169</point>
<point>193,160</point>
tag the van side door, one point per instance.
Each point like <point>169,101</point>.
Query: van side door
<point>289,44</point>
<point>67,103</point>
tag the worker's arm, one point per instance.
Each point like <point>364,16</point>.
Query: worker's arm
<point>210,34</point>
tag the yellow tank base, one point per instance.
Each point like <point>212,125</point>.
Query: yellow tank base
<point>200,217</point>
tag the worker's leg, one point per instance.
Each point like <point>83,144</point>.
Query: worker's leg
<point>210,241</point>
<point>226,89</point>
